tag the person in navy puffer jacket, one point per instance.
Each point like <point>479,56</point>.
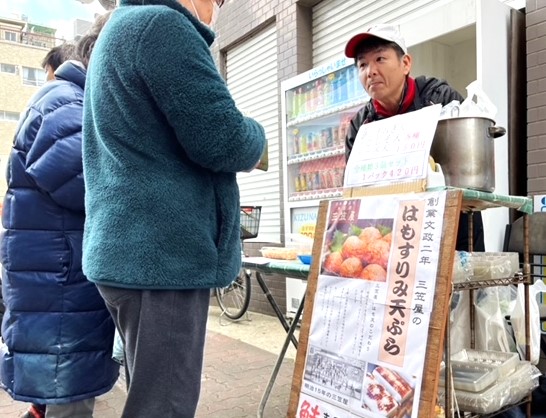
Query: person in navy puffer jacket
<point>57,333</point>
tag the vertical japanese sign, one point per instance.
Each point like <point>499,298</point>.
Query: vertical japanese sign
<point>374,297</point>
<point>401,286</point>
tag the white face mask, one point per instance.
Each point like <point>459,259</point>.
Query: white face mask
<point>215,12</point>
<point>213,17</point>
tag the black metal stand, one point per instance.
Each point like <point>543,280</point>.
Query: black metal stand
<point>289,338</point>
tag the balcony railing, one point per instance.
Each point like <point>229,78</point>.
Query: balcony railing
<point>36,39</point>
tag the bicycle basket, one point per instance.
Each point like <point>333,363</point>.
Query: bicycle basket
<point>250,221</point>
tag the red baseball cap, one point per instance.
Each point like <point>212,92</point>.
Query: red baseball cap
<point>386,32</point>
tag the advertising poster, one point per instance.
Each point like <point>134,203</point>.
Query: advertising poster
<point>304,221</point>
<point>374,297</point>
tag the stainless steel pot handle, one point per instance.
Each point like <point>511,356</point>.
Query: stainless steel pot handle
<point>496,131</point>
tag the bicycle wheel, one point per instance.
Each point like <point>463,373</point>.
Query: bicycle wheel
<point>235,298</point>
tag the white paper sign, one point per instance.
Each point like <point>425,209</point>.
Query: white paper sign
<point>393,150</point>
<point>372,307</point>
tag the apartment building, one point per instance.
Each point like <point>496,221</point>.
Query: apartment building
<point>23,45</point>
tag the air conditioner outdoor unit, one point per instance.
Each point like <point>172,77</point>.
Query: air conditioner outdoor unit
<point>295,290</point>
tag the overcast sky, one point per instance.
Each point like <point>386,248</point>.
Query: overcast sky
<point>58,14</point>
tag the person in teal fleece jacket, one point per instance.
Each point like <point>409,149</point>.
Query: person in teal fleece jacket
<point>162,143</point>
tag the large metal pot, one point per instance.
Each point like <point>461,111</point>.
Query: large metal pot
<point>465,149</point>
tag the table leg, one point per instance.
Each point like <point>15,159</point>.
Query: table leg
<point>278,364</point>
<point>275,306</point>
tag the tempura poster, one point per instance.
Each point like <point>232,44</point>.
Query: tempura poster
<point>374,297</point>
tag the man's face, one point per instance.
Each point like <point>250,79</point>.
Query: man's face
<point>382,73</point>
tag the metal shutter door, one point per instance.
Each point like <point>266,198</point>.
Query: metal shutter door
<point>251,74</point>
<point>335,21</point>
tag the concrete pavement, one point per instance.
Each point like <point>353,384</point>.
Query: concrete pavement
<point>239,359</point>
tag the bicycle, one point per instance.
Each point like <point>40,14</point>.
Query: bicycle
<point>234,299</point>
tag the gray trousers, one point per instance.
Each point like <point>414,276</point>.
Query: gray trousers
<point>80,409</point>
<point>164,336</point>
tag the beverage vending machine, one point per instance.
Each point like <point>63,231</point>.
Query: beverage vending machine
<point>317,108</point>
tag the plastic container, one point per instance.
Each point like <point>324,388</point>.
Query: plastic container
<point>471,377</point>
<point>279,253</point>
<point>492,266</point>
<point>504,362</point>
<point>462,267</point>
<point>305,259</point>
<point>505,391</point>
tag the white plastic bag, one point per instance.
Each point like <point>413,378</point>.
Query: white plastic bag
<point>450,110</point>
<point>490,326</point>
<point>491,331</point>
<point>477,103</point>
<point>460,321</point>
<point>518,320</point>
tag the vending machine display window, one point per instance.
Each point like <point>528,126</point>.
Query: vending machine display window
<point>319,107</point>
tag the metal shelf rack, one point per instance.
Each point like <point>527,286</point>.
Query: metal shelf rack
<point>476,201</point>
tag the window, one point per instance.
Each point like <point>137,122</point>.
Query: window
<point>10,36</point>
<point>8,68</point>
<point>9,116</point>
<point>33,76</point>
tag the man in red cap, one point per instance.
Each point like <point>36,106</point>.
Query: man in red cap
<point>383,65</point>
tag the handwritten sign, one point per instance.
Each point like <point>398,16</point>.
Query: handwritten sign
<point>393,150</point>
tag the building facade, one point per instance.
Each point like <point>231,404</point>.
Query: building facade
<point>22,49</point>
<point>536,96</point>
<point>262,43</point>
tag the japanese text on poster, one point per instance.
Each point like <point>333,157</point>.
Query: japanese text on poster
<point>393,150</point>
<point>374,296</point>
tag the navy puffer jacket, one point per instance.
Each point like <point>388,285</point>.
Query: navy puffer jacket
<point>57,331</point>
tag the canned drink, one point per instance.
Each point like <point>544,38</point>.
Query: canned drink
<point>297,184</point>
<point>303,183</point>
<point>335,136</point>
<point>296,141</point>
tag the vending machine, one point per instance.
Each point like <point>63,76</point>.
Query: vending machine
<point>317,108</point>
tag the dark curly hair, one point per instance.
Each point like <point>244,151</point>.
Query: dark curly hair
<point>59,54</point>
<point>85,45</point>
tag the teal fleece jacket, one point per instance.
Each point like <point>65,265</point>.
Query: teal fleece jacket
<point>162,143</point>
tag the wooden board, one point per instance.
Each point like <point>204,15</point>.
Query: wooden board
<point>414,186</point>
<point>439,316</point>
<point>308,311</point>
